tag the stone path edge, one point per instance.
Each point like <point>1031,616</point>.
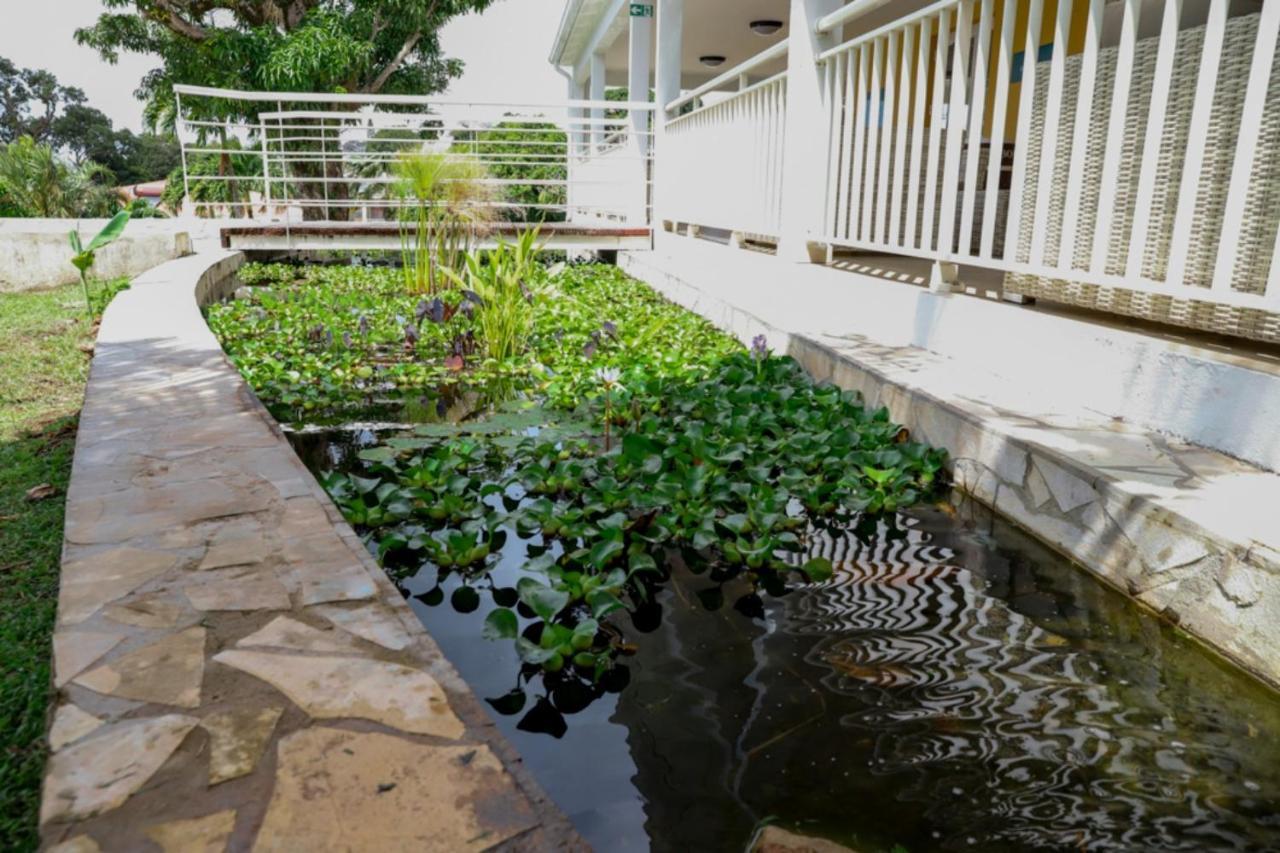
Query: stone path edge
<point>1221,589</point>
<point>233,669</point>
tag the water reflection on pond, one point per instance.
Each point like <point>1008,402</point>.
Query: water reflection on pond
<point>954,686</point>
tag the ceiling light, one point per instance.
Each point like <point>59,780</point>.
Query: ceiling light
<point>766,27</point>
<point>711,61</point>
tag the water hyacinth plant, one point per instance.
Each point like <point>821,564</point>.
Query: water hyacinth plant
<point>641,439</point>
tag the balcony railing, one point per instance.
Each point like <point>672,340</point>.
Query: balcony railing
<point>735,145</point>
<point>286,156</point>
<point>1100,166</point>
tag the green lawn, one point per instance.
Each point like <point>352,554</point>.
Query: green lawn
<point>42,376</point>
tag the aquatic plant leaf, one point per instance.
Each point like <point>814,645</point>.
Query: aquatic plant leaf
<point>543,600</point>
<point>602,603</point>
<point>501,624</point>
<point>818,569</point>
<point>465,599</point>
<point>509,704</point>
<point>544,719</point>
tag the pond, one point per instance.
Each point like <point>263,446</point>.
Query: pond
<point>955,685</point>
<point>700,594</point>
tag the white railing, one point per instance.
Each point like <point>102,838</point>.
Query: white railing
<point>294,156</point>
<point>1146,165</point>
<point>610,184</point>
<point>722,163</point>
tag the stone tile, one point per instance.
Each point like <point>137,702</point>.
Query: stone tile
<point>207,834</point>
<point>132,513</point>
<point>332,687</point>
<point>100,773</point>
<point>75,650</point>
<point>79,844</point>
<point>153,610</point>
<point>168,671</point>
<point>237,739</point>
<point>238,589</point>
<point>1068,490</point>
<point>322,569</point>
<point>99,578</point>
<point>286,633</point>
<point>1037,489</point>
<point>344,790</point>
<point>373,622</point>
<point>70,723</point>
<point>240,543</point>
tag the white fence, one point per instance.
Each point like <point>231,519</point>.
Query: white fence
<point>735,146</point>
<point>1147,166</point>
<point>301,156</point>
<point>1129,161</point>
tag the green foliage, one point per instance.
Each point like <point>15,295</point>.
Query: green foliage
<point>42,374</point>
<point>85,255</point>
<point>444,204</point>
<point>728,461</point>
<point>501,279</point>
<point>523,151</point>
<point>206,190</point>
<point>369,46</point>
<point>734,466</point>
<point>321,341</point>
<point>33,103</point>
<point>30,101</point>
<point>38,182</point>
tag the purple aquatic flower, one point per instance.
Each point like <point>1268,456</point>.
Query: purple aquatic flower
<point>759,348</point>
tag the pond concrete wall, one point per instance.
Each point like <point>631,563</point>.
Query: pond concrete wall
<point>1187,531</point>
<point>233,670</point>
<point>36,254</point>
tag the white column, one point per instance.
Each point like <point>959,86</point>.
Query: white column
<point>597,95</point>
<point>666,85</point>
<point>573,142</point>
<point>641,46</point>
<point>804,159</point>
<point>670,48</point>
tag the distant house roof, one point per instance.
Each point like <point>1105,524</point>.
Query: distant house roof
<point>151,189</point>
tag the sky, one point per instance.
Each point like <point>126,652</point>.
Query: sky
<point>505,50</point>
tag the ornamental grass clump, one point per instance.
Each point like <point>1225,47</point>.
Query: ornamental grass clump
<point>446,205</point>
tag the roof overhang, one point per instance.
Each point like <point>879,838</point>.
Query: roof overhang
<point>586,27</point>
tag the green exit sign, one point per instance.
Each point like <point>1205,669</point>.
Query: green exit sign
<point>641,10</point>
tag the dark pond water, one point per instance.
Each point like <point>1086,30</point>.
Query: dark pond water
<point>955,686</point>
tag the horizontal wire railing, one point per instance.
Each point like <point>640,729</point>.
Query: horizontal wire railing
<point>280,156</point>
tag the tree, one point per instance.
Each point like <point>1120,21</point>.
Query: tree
<point>364,46</point>
<point>361,46</point>
<point>39,183</point>
<point>30,101</point>
<point>33,103</point>
<point>523,151</point>
<point>87,134</point>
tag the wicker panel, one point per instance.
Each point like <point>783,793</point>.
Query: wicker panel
<point>1262,213</point>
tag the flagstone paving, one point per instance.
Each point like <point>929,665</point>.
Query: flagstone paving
<point>234,671</point>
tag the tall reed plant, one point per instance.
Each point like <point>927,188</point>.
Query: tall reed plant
<point>446,204</point>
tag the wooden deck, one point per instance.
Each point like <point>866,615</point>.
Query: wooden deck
<point>386,235</point>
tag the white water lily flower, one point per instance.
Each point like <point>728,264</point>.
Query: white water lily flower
<point>608,376</point>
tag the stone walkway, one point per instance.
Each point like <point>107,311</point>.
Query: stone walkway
<point>234,671</point>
